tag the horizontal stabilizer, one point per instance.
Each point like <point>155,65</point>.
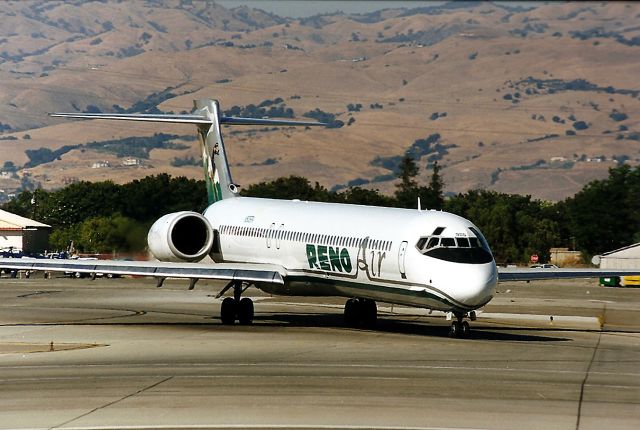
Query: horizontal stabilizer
<point>184,119</point>
<point>231,120</point>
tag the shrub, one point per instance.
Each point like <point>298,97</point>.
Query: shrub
<point>618,116</point>
<point>580,125</point>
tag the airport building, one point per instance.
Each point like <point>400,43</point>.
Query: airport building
<point>562,257</point>
<point>623,258</point>
<point>22,234</point>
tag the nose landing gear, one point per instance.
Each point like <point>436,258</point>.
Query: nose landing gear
<point>460,328</point>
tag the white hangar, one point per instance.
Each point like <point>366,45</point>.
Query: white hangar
<point>623,258</point>
<point>22,234</point>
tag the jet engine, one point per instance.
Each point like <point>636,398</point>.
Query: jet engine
<point>180,236</point>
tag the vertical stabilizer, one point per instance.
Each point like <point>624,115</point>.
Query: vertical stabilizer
<point>214,158</point>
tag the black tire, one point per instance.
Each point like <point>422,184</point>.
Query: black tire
<point>228,311</point>
<point>368,312</point>
<point>465,329</point>
<point>245,311</point>
<point>351,312</point>
<point>455,329</point>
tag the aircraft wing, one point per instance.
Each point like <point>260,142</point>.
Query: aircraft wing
<point>527,274</point>
<point>265,273</point>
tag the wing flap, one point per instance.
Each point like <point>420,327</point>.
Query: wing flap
<point>266,273</point>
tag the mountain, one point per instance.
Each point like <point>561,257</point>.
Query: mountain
<point>532,100</point>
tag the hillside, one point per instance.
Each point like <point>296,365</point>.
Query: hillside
<point>534,101</point>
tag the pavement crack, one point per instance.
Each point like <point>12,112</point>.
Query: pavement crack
<point>106,405</point>
<point>586,375</point>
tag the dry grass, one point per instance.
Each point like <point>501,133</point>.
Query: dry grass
<point>439,78</point>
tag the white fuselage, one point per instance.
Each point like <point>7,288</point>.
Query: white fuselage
<point>357,251</point>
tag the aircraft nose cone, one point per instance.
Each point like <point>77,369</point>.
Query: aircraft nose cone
<point>475,285</point>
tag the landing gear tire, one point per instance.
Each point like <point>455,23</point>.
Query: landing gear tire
<point>455,329</point>
<point>245,311</point>
<point>459,329</point>
<point>360,312</point>
<point>228,311</point>
<point>351,312</point>
<point>369,313</point>
<point>465,329</point>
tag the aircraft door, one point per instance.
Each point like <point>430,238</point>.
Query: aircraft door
<point>272,229</point>
<point>279,235</point>
<point>401,254</point>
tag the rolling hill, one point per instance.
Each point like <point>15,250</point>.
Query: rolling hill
<point>536,100</point>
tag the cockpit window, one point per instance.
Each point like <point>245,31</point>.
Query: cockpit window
<point>463,242</point>
<point>447,242</point>
<point>483,242</point>
<point>460,249</point>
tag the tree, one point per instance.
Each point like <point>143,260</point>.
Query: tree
<point>514,225</point>
<point>9,166</point>
<point>406,194</point>
<point>434,197</point>
<point>408,191</point>
<point>362,196</point>
<point>293,187</point>
<point>407,171</point>
<point>110,234</point>
<point>605,214</point>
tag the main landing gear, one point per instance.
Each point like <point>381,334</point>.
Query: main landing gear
<point>236,308</point>
<point>460,328</point>
<point>360,313</point>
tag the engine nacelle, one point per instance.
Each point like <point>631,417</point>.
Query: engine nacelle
<point>181,236</point>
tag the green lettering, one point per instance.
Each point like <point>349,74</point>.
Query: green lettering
<point>345,259</point>
<point>322,257</point>
<point>311,256</point>
<point>334,258</point>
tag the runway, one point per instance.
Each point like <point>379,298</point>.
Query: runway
<point>122,354</point>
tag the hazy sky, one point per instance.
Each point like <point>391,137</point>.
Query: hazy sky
<point>298,8</point>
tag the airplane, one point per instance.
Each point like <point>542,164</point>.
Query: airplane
<point>413,257</point>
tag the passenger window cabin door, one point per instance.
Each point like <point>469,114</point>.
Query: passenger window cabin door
<point>270,233</point>
<point>279,235</point>
<point>402,252</point>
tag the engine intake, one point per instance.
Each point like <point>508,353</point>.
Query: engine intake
<point>180,236</point>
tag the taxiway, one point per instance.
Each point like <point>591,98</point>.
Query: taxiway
<point>122,354</point>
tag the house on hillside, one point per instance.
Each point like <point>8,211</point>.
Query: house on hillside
<point>20,233</point>
<point>129,162</point>
<point>100,165</point>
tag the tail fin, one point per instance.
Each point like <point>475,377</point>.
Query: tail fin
<point>217,175</point>
<point>208,119</point>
